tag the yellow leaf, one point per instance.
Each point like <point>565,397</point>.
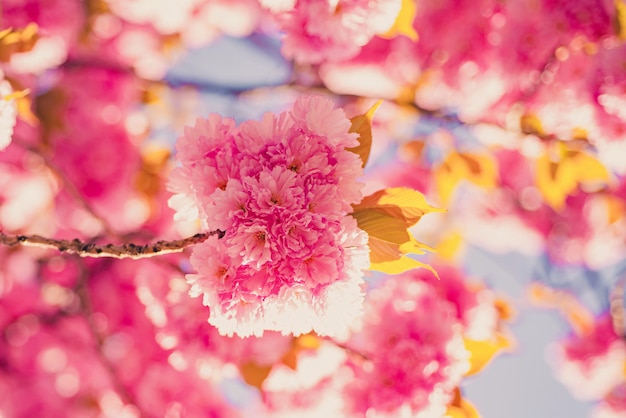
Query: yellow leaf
<point>404,22</point>
<point>460,408</point>
<point>555,180</point>
<point>254,374</point>
<point>531,124</point>
<point>155,158</point>
<point>308,341</point>
<point>16,95</point>
<point>449,246</point>
<point>620,19</point>
<point>23,102</point>
<point>589,169</point>
<point>560,170</point>
<point>299,344</point>
<point>362,125</point>
<point>615,208</point>
<point>454,412</point>
<point>470,410</point>
<point>404,263</point>
<point>580,134</point>
<point>386,216</point>
<point>382,226</point>
<point>579,316</point>
<point>383,251</point>
<point>464,410</point>
<point>18,40</point>
<point>148,180</point>
<point>413,150</point>
<point>398,202</point>
<point>445,181</point>
<point>480,170</point>
<point>504,309</point>
<point>290,359</point>
<point>483,351</point>
<point>5,32</point>
<point>152,93</point>
<point>405,96</point>
<point>24,109</point>
<point>413,246</point>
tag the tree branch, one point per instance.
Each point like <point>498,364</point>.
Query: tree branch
<point>83,249</point>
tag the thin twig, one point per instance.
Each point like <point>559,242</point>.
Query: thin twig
<point>349,350</point>
<point>130,250</point>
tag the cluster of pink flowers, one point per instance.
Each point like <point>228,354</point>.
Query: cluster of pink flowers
<point>107,349</point>
<point>331,30</point>
<point>591,365</point>
<point>60,23</point>
<point>413,361</point>
<point>585,231</point>
<point>197,21</point>
<point>406,359</point>
<point>279,190</point>
<point>480,59</point>
<point>91,144</point>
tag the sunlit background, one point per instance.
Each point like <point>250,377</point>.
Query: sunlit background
<point>510,115</point>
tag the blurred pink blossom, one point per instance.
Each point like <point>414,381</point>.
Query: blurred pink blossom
<point>8,112</point>
<point>60,23</point>
<point>332,30</point>
<point>591,365</point>
<point>197,21</point>
<point>412,361</point>
<point>93,148</point>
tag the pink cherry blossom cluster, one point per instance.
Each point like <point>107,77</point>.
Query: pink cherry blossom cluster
<point>105,348</point>
<point>414,360</point>
<point>289,259</point>
<point>584,231</point>
<point>331,30</point>
<point>406,358</point>
<point>482,59</point>
<point>94,104</point>
<point>59,22</point>
<point>591,365</point>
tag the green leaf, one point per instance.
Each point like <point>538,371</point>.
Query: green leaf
<point>362,125</point>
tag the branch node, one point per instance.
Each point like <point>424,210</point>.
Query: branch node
<point>129,250</point>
